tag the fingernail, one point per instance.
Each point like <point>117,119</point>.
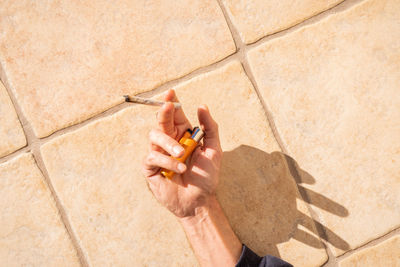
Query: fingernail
<point>181,167</point>
<point>177,150</point>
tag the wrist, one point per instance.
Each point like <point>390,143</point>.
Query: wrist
<point>211,236</point>
<point>201,213</point>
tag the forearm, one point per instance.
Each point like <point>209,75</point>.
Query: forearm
<point>211,236</point>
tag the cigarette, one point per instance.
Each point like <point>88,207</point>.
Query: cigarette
<point>148,101</point>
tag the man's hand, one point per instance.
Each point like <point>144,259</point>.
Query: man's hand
<point>194,184</point>
<point>190,194</point>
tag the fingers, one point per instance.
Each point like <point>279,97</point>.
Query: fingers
<point>169,144</point>
<point>179,115</point>
<point>210,127</point>
<point>160,142</point>
<point>156,160</point>
<point>165,119</point>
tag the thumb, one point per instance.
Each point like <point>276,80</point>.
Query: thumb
<point>210,127</point>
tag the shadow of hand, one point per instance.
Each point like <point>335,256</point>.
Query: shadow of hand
<point>259,195</point>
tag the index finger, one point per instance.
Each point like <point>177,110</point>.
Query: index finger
<point>179,116</point>
<point>166,121</point>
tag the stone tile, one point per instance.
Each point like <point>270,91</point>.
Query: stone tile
<point>384,254</point>
<point>67,61</point>
<point>11,134</point>
<point>96,173</point>
<point>31,232</point>
<point>332,88</point>
<point>257,191</point>
<point>256,19</point>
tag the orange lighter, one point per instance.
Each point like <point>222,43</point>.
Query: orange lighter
<point>189,142</point>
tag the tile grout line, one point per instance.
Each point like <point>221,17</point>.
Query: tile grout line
<point>242,49</point>
<point>15,154</point>
<point>371,243</point>
<point>155,91</point>
<point>33,144</point>
<point>268,113</point>
<point>26,128</point>
<point>338,8</point>
<point>63,214</point>
<point>199,71</point>
<point>29,136</point>
<point>319,222</point>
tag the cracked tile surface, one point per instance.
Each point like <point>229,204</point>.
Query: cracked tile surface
<point>255,19</point>
<point>332,88</point>
<point>11,134</point>
<point>31,232</point>
<point>67,61</point>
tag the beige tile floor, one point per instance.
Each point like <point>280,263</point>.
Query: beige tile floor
<point>307,99</point>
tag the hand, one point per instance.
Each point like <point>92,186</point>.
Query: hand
<point>190,194</point>
<point>194,184</point>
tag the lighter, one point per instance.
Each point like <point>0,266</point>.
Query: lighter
<point>189,142</point>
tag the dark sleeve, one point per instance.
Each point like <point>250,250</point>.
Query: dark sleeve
<point>251,259</point>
